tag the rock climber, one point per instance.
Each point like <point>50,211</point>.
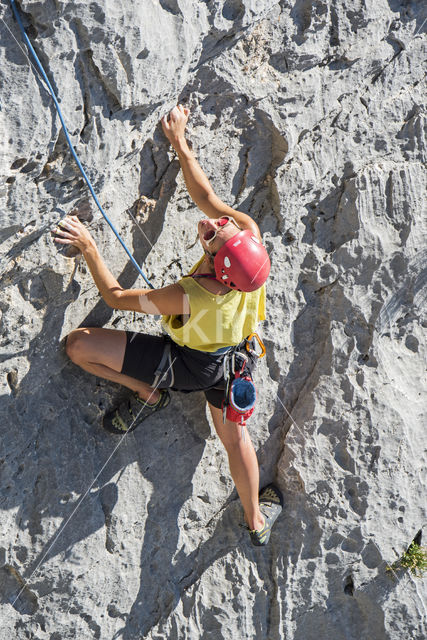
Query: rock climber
<point>204,315</point>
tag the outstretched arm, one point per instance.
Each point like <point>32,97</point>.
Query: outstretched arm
<point>198,185</point>
<point>169,300</point>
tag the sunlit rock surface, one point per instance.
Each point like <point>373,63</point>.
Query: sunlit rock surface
<point>309,116</point>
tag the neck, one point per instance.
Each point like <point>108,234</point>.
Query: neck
<point>215,286</point>
<point>207,264</point>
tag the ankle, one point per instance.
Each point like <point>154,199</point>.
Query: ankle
<point>255,522</point>
<point>149,396</point>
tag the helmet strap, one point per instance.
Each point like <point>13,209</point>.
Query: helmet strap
<point>210,256</point>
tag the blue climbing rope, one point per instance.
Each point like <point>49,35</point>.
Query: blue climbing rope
<point>70,144</point>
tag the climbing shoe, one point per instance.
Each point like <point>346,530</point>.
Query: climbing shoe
<point>270,505</point>
<point>130,413</point>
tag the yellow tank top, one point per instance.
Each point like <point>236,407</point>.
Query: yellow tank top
<point>216,321</point>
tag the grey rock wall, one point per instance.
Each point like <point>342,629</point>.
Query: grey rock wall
<point>309,116</point>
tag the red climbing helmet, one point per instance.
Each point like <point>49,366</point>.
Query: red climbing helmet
<point>242,263</point>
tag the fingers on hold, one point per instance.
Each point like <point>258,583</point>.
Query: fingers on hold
<point>183,109</point>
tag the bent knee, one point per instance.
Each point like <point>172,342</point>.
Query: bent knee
<point>75,346</point>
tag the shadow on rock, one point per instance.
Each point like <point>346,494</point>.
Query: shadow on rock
<point>57,465</point>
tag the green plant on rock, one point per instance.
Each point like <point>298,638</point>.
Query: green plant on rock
<point>414,559</point>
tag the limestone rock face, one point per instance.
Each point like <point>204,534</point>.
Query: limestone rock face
<point>309,116</point>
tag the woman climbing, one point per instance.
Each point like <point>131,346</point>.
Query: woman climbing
<point>205,316</point>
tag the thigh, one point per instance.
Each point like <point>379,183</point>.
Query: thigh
<point>229,432</point>
<point>185,370</point>
<point>215,396</point>
<point>98,346</point>
<point>143,353</point>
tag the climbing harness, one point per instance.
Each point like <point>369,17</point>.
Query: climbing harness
<point>240,392</point>
<point>70,144</point>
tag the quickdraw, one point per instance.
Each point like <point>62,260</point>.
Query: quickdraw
<point>240,391</point>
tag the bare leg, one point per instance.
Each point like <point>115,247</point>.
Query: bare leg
<point>243,466</point>
<point>101,352</point>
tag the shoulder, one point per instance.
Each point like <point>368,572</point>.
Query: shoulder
<point>170,300</point>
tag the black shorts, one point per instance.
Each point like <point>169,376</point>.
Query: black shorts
<point>185,369</point>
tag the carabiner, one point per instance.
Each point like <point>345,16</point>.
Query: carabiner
<point>260,343</point>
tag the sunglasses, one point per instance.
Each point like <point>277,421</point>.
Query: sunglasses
<point>222,223</point>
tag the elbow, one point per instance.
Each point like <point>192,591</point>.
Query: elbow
<point>204,201</point>
<point>209,196</point>
<point>111,303</point>
<point>112,299</point>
